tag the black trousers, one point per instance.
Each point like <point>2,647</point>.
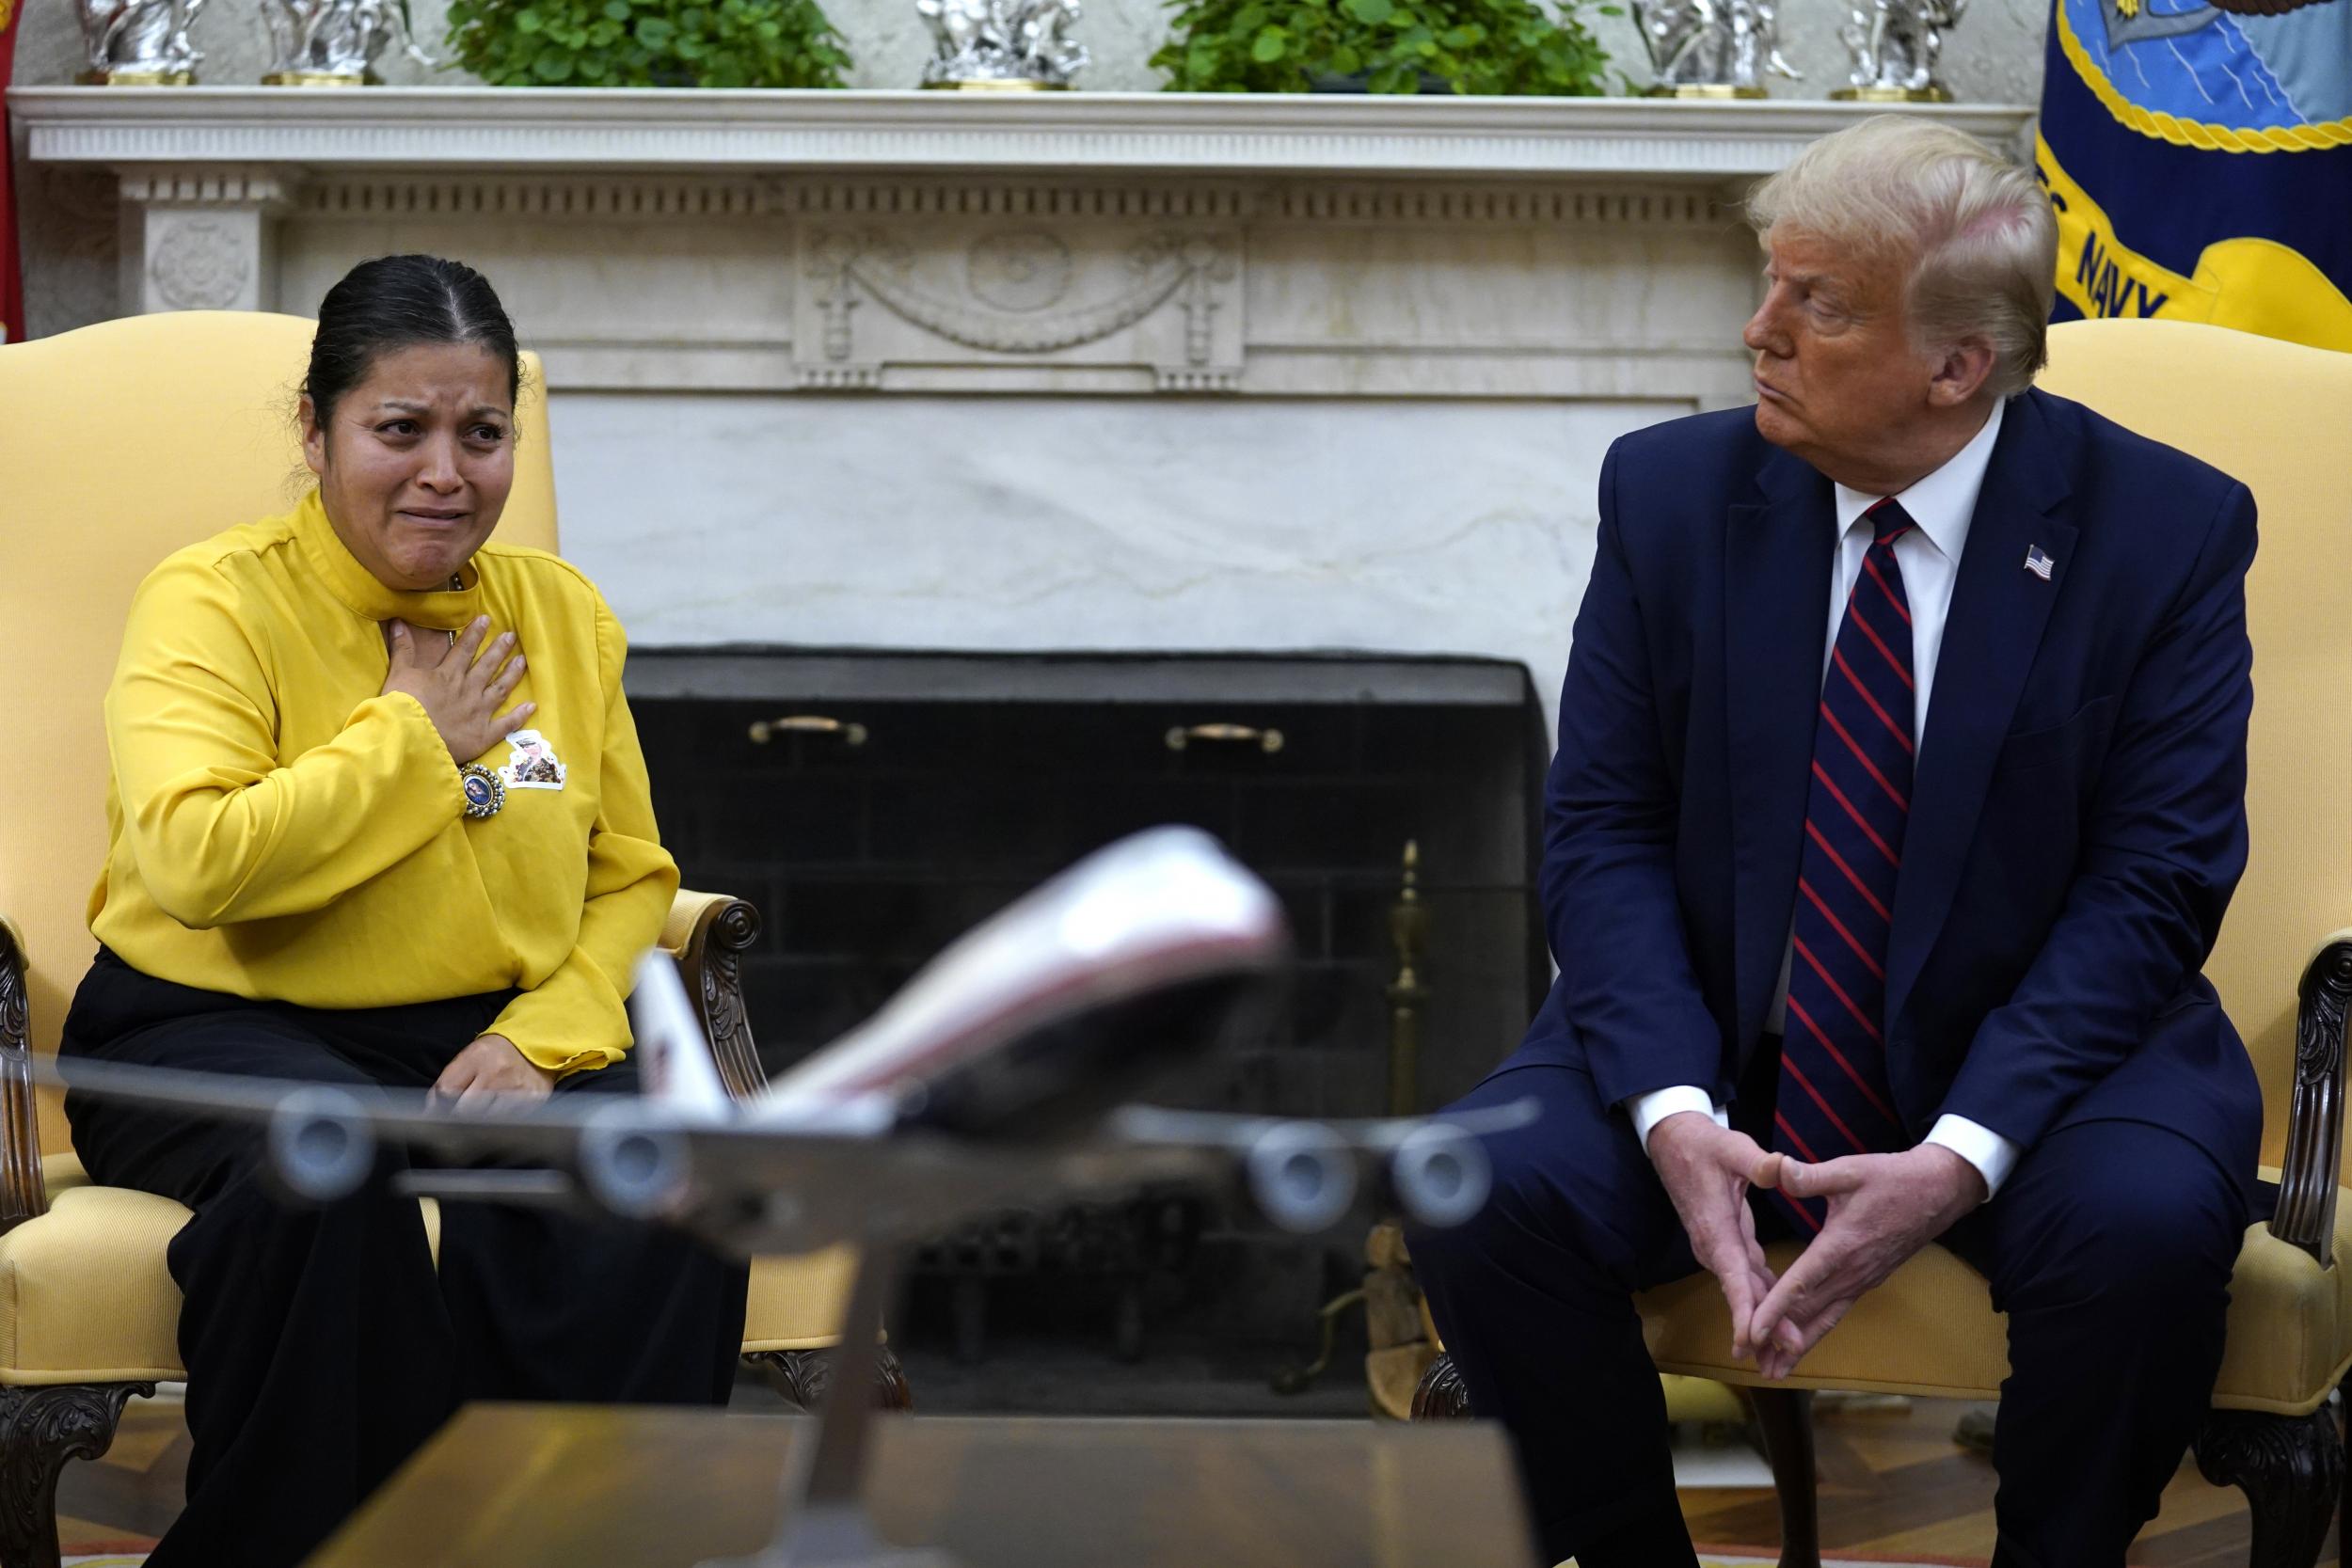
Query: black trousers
<point>321,1344</point>
<point>2110,1247</point>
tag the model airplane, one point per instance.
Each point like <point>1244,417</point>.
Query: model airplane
<point>1001,1073</point>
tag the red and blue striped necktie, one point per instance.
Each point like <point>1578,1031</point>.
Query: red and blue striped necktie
<point>1833,1100</point>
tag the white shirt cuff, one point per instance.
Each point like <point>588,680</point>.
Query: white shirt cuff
<point>1993,1155</point>
<point>1650,1109</point>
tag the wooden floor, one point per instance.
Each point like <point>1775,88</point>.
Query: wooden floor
<point>1892,1483</point>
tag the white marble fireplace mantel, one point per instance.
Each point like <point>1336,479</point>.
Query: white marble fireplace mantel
<point>609,130</point>
<point>1291,372</point>
<point>1304,244</point>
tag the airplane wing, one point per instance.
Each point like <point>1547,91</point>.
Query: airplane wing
<point>755,1189</point>
<point>747,1189</point>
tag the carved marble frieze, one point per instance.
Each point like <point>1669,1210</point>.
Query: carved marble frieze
<point>1045,285</point>
<point>909,300</point>
<point>779,283</point>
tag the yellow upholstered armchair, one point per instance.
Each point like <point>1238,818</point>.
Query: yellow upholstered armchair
<point>118,444</point>
<point>2278,417</point>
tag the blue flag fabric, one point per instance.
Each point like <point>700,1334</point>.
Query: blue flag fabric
<point>2199,157</point>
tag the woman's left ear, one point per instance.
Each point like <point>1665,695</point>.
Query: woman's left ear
<point>314,438</point>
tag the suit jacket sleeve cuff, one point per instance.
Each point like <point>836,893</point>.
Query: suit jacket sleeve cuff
<point>1993,1155</point>
<point>1650,1109</point>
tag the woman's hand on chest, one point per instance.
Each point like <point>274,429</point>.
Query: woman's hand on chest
<point>461,685</point>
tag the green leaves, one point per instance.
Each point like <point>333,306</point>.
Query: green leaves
<point>748,43</point>
<point>1398,46</point>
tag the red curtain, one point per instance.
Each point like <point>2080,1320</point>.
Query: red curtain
<point>11,272</point>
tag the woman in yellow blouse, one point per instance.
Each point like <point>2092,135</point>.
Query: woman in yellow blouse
<point>378,814</point>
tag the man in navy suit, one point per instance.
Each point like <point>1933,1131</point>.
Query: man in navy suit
<point>1898,798</point>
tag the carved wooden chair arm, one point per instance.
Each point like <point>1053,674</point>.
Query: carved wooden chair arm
<point>2307,1181</point>
<point>706,934</point>
<point>23,1193</point>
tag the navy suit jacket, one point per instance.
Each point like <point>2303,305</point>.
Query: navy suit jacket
<point>2078,817</point>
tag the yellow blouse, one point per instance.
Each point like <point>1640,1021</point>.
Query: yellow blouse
<point>278,829</point>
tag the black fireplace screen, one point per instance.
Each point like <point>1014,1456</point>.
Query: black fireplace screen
<point>875,805</point>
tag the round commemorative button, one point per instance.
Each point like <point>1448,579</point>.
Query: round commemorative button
<point>484,790</point>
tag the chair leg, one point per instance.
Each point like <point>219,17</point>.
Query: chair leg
<point>1441,1395</point>
<point>2290,1468</point>
<point>39,1430</point>
<point>1785,1416</point>
<point>805,1376</point>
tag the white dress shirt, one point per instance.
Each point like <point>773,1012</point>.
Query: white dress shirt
<point>1942,505</point>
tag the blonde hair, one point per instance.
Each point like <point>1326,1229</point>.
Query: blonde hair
<point>1975,229</point>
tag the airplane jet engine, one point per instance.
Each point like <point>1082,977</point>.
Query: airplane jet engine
<point>321,1144</point>
<point>637,1171</point>
<point>1302,1175</point>
<point>1439,1175</point>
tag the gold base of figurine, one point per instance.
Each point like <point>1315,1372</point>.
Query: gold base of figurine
<point>1932,94</point>
<point>135,79</point>
<point>993,83</point>
<point>312,79</point>
<point>1701,89</point>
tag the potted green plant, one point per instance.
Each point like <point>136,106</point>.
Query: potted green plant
<point>647,43</point>
<point>1467,46</point>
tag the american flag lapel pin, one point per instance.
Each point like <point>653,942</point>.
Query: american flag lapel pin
<point>2038,561</point>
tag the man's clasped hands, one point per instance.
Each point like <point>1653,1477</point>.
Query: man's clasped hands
<point>1883,1208</point>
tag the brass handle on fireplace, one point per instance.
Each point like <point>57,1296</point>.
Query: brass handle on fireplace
<point>765,730</point>
<point>1182,735</point>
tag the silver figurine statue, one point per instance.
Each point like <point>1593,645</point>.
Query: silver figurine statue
<point>1895,44</point>
<point>1005,45</point>
<point>1710,48</point>
<point>138,42</point>
<point>333,43</point>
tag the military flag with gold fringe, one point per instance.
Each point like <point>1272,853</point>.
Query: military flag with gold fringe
<point>2199,157</point>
